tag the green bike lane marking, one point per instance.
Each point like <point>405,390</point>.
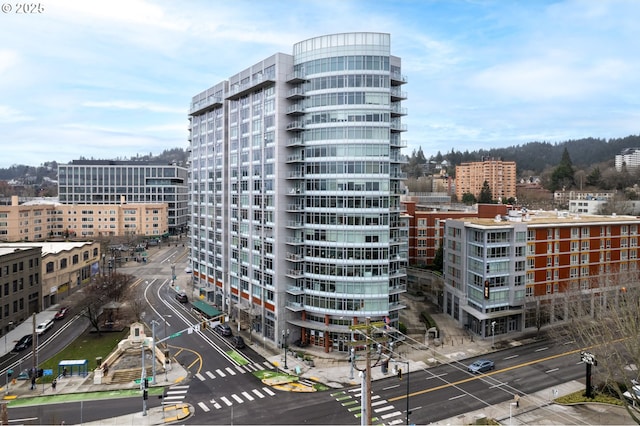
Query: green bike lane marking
<point>81,396</point>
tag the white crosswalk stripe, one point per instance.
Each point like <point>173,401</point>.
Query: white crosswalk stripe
<point>389,415</point>
<point>210,374</point>
<point>257,393</point>
<point>220,373</point>
<point>204,407</point>
<point>246,395</point>
<point>241,369</point>
<point>268,365</point>
<point>215,404</point>
<point>230,371</point>
<point>226,401</point>
<point>237,398</point>
<point>269,391</point>
<point>201,377</point>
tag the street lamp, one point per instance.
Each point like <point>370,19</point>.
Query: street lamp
<point>285,335</point>
<point>493,334</point>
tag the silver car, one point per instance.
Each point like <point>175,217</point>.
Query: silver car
<point>481,366</point>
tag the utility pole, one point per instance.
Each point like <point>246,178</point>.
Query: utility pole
<point>365,373</point>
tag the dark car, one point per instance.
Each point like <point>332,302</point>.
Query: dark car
<point>481,365</point>
<point>182,297</point>
<point>61,313</point>
<point>23,343</point>
<point>237,342</point>
<point>223,330</point>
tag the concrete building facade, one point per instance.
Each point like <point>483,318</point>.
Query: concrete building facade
<point>295,186</point>
<point>43,219</point>
<point>108,182</point>
<point>500,175</point>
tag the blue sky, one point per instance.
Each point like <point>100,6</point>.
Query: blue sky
<point>114,79</point>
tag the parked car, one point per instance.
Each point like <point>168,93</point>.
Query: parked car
<point>237,342</point>
<point>24,342</point>
<point>481,366</point>
<point>43,327</point>
<point>182,297</point>
<point>61,313</point>
<point>223,330</point>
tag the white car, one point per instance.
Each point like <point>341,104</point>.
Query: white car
<point>43,327</point>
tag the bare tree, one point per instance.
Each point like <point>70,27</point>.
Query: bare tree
<point>104,289</point>
<point>605,319</point>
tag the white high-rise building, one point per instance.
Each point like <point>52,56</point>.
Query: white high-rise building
<point>296,226</point>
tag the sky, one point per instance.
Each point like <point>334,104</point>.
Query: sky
<point>113,79</point>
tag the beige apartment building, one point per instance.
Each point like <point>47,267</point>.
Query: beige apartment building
<point>500,175</point>
<point>41,219</point>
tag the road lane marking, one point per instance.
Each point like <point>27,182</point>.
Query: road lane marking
<point>204,407</point>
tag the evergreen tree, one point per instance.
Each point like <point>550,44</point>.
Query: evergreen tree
<point>562,176</point>
<point>594,178</point>
<point>468,198</point>
<point>486,197</point>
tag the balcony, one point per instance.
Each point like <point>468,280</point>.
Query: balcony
<point>397,95</point>
<point>295,109</point>
<point>397,126</point>
<point>295,158</point>
<point>294,257</point>
<point>296,77</point>
<point>398,79</point>
<point>295,126</point>
<point>294,273</point>
<point>295,306</point>
<point>205,105</point>
<point>238,90</point>
<point>296,291</point>
<point>295,93</point>
<point>294,142</point>
<point>397,111</point>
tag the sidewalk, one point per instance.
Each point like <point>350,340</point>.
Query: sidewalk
<point>334,370</point>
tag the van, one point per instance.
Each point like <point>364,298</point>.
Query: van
<point>43,327</point>
<point>182,297</point>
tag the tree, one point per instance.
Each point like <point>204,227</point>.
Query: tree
<point>563,175</point>
<point>594,178</point>
<point>438,260</point>
<point>605,319</point>
<point>486,197</point>
<point>104,289</point>
<point>468,198</point>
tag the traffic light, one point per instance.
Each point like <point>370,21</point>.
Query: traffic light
<point>146,384</point>
<point>145,394</point>
<point>9,373</point>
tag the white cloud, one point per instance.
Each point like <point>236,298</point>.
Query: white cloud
<point>134,105</point>
<point>10,115</point>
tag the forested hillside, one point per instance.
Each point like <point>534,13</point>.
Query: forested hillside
<point>538,156</point>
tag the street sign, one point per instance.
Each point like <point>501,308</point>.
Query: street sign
<point>47,372</point>
<point>175,334</point>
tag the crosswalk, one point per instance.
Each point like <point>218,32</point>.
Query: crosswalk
<point>232,371</point>
<point>176,394</point>
<point>382,411</point>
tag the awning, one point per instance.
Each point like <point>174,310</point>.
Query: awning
<point>206,309</point>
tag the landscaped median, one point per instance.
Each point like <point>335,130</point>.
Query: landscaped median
<point>287,382</point>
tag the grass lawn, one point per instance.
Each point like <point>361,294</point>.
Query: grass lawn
<point>87,346</point>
